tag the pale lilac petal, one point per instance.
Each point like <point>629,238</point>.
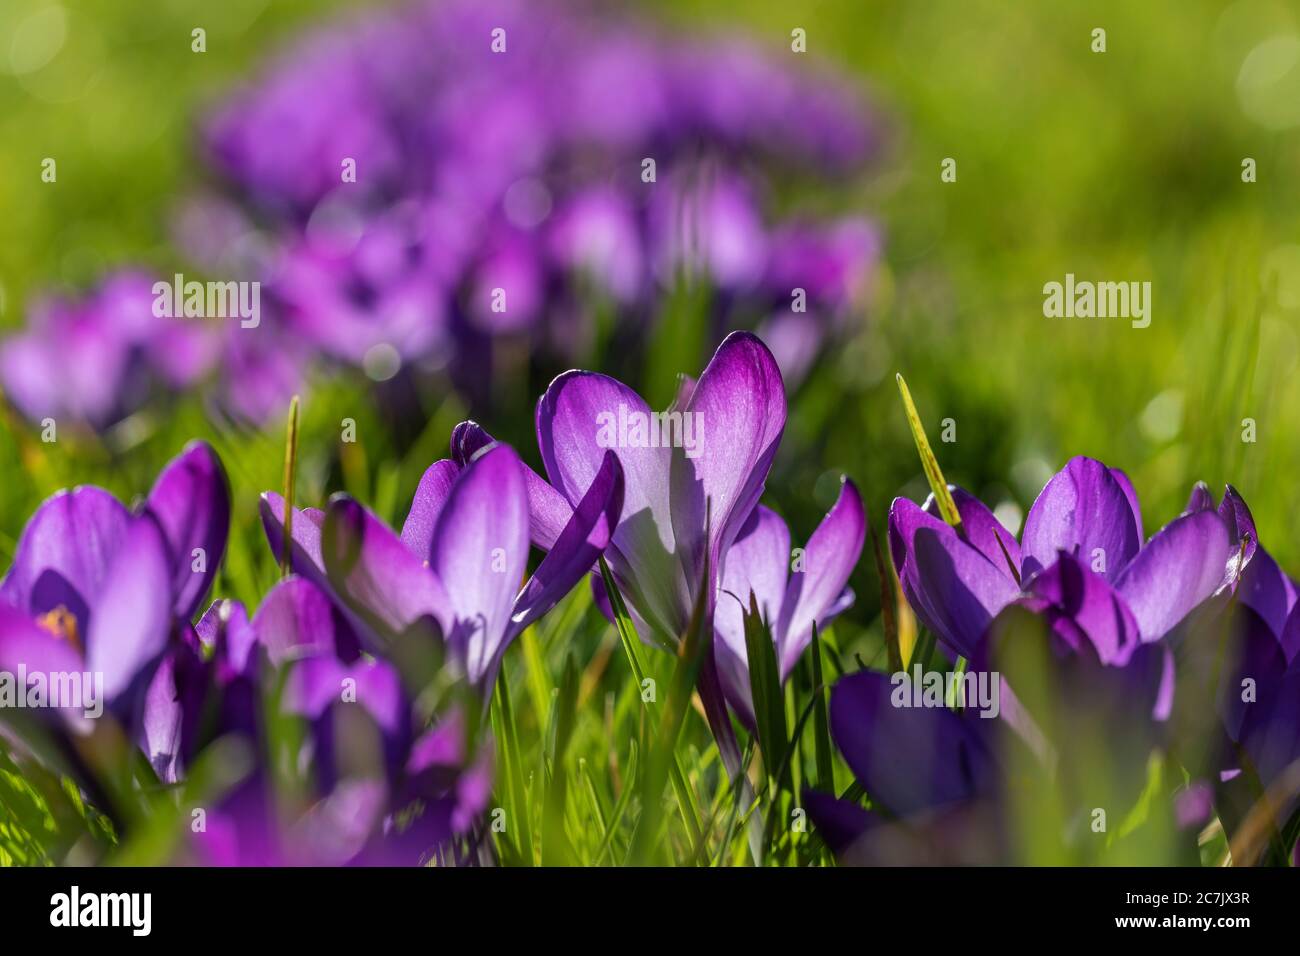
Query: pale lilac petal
<point>829,558</point>
<point>570,419</point>
<point>295,620</point>
<point>479,553</point>
<point>757,566</point>
<point>132,614</point>
<point>738,406</point>
<point>430,495</point>
<point>577,548</point>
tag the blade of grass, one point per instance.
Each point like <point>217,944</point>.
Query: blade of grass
<point>290,480</point>
<point>632,648</point>
<point>947,507</point>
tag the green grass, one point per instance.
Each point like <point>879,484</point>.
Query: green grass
<point>1122,165</point>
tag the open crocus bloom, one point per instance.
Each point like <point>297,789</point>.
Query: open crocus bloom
<point>692,480</point>
<point>958,582</point>
<point>459,559</point>
<point>95,588</point>
<point>792,592</point>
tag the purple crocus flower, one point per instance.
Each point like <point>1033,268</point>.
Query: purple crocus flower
<point>92,360</point>
<point>791,592</point>
<point>425,788</point>
<point>957,582</point>
<point>947,786</point>
<point>459,558</point>
<point>97,588</point>
<point>681,503</point>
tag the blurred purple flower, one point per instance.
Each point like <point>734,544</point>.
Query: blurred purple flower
<point>423,787</point>
<point>94,360</point>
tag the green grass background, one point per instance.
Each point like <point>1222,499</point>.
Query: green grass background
<point>1124,165</point>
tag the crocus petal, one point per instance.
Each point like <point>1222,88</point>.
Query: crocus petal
<point>1238,519</point>
<point>738,408</point>
<point>839,822</point>
<point>132,614</point>
<point>65,552</point>
<point>570,418</point>
<point>1200,499</point>
<point>758,565</point>
<point>908,759</point>
<point>430,495</point>
<point>479,553</point>
<point>576,550</point>
<point>548,510</point>
<point>191,500</point>
<point>953,588</point>
<point>1082,510</point>
<point>1266,588</point>
<point>24,642</point>
<point>829,558</point>
<point>982,530</point>
<point>305,553</point>
<point>1075,592</point>
<point>374,572</point>
<point>1130,493</point>
<point>1181,566</point>
<point>295,620</point>
<point>1291,635</point>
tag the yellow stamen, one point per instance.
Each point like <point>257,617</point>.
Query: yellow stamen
<point>62,623</point>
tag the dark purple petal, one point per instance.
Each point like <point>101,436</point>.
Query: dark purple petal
<point>1082,510</point>
<point>958,591</point>
<point>1201,499</point>
<point>908,759</point>
<point>982,530</point>
<point>839,822</point>
<point>1073,591</point>
<point>191,500</point>
<point>1182,565</point>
